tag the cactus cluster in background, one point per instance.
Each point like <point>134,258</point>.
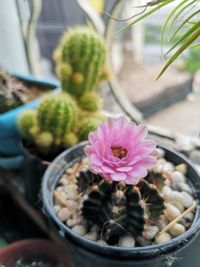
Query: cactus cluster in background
<point>65,119</point>
<point>81,61</point>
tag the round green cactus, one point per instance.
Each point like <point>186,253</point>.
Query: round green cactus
<point>91,102</point>
<point>57,115</point>
<point>80,60</point>
<point>88,125</point>
<point>50,127</point>
<point>27,120</point>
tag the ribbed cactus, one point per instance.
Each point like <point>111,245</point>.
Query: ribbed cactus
<point>87,125</point>
<point>50,127</point>
<point>80,60</point>
<point>91,102</point>
<point>117,208</point>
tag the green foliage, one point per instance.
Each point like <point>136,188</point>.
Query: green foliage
<point>117,208</point>
<point>181,28</point>
<point>192,61</point>
<point>27,120</point>
<point>80,60</point>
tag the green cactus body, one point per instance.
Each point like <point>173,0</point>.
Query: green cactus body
<point>57,115</point>
<point>88,125</point>
<point>50,127</point>
<point>91,102</point>
<point>82,52</point>
<point>27,120</point>
<point>117,208</point>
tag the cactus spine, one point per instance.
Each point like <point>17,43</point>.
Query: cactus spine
<point>80,60</point>
<point>117,208</point>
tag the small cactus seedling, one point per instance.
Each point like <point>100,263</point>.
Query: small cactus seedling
<point>51,127</point>
<point>80,61</point>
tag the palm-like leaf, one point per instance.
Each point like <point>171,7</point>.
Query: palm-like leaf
<point>182,26</point>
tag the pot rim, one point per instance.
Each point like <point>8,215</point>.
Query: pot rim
<point>174,244</point>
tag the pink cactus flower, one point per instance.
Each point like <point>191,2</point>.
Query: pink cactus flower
<point>120,151</point>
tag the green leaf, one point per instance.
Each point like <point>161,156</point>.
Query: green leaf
<point>145,15</point>
<point>183,23</point>
<point>185,45</point>
<point>184,36</point>
<point>168,19</point>
<point>181,12</point>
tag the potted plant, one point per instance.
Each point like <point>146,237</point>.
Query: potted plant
<point>65,119</point>
<point>34,252</point>
<point>17,93</point>
<point>119,201</point>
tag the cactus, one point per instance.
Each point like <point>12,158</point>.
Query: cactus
<point>50,127</point>
<point>90,102</point>
<point>80,61</point>
<point>117,208</point>
<point>88,124</point>
<point>12,94</point>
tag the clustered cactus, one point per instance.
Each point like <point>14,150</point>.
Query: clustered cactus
<point>12,93</point>
<point>117,208</point>
<point>80,61</point>
<point>67,118</point>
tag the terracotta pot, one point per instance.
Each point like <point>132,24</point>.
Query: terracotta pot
<point>34,249</point>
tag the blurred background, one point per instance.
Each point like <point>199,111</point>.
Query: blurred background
<point>30,31</point>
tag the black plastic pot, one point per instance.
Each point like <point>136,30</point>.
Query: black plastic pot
<point>182,251</point>
<point>34,169</point>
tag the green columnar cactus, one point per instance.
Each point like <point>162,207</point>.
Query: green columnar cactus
<point>52,125</point>
<point>118,208</point>
<point>80,61</point>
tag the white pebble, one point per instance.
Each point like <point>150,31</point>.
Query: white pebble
<point>127,241</point>
<point>168,167</point>
<point>181,168</point>
<point>189,216</point>
<point>177,229</point>
<point>183,187</point>
<point>101,242</point>
<point>150,231</point>
<point>160,152</point>
<point>91,236</point>
<point>171,212</point>
<point>163,238</point>
<point>173,196</point>
<point>187,199</point>
<point>166,190</point>
<point>179,205</point>
<point>64,214</point>
<point>73,221</point>
<point>178,177</point>
<point>57,208</point>
<point>60,188</point>
<point>79,229</point>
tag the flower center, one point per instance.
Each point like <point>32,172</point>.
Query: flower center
<point>119,151</point>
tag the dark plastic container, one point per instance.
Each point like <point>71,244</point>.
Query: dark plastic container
<point>34,249</point>
<point>182,251</point>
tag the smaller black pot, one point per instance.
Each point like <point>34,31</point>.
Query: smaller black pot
<point>86,253</point>
<point>34,169</point>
